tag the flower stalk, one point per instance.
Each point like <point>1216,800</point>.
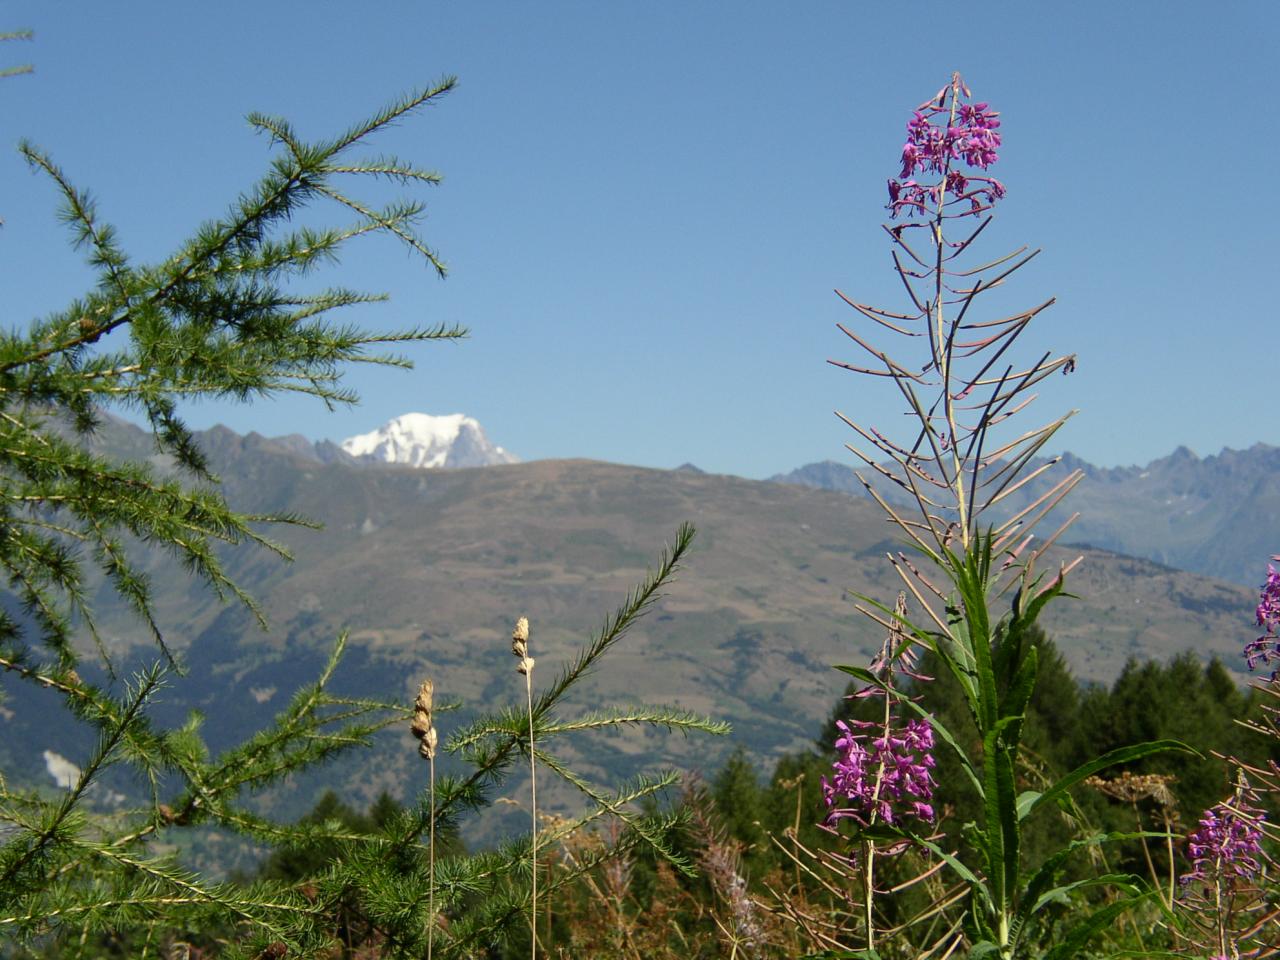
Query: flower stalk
<point>1226,861</point>
<point>424,729</point>
<point>949,470</point>
<point>901,786</point>
<point>952,472</point>
<point>520,648</point>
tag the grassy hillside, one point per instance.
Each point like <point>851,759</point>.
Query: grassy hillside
<point>429,569</point>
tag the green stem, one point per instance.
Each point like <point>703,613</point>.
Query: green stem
<point>868,891</point>
<point>943,358</point>
<point>869,847</point>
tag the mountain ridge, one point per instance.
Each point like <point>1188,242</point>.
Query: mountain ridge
<point>1211,515</point>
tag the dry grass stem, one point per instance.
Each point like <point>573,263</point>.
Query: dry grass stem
<point>520,648</point>
<point>423,728</point>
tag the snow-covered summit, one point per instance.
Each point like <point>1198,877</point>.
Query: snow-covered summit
<point>422,440</point>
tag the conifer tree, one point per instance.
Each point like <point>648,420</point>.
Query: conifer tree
<point>230,316</point>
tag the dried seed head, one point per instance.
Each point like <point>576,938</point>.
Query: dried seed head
<point>427,748</point>
<point>425,692</point>
<point>520,638</point>
<point>1132,787</point>
<point>421,726</point>
<point>520,646</point>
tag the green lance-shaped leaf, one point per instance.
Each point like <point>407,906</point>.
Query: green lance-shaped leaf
<point>970,578</point>
<point>1030,801</point>
<point>1038,891</point>
<point>1119,881</point>
<point>1000,829</point>
<point>1078,936</point>
<point>1014,704</point>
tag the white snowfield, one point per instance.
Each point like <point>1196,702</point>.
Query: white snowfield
<point>429,442</point>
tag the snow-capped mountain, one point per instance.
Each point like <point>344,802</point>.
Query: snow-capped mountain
<point>422,440</point>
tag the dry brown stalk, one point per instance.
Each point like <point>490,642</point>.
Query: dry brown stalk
<point>520,648</point>
<point>424,729</point>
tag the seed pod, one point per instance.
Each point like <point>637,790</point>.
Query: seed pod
<point>421,726</point>
<point>427,748</point>
<point>520,638</point>
<point>425,696</point>
<point>520,646</point>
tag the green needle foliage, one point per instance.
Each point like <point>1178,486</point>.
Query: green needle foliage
<point>22,68</point>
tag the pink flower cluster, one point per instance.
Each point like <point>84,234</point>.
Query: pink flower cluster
<point>882,777</point>
<point>941,135</point>
<point>1266,648</point>
<point>1227,845</point>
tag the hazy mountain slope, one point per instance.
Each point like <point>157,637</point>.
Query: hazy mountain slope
<point>429,569</point>
<point>1217,515</point>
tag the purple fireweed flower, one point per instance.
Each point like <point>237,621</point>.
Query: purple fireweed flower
<point>1266,648</point>
<point>908,195</point>
<point>940,135</point>
<point>881,774</point>
<point>1268,612</point>
<point>1227,845</point>
<point>910,158</point>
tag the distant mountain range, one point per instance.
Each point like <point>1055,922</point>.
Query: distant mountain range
<point>1216,515</point>
<point>428,569</point>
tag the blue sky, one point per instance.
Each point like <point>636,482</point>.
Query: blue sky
<point>646,206</point>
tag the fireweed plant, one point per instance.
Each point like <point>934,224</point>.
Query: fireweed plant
<point>1222,891</point>
<point>938,485</point>
<point>1228,903</point>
